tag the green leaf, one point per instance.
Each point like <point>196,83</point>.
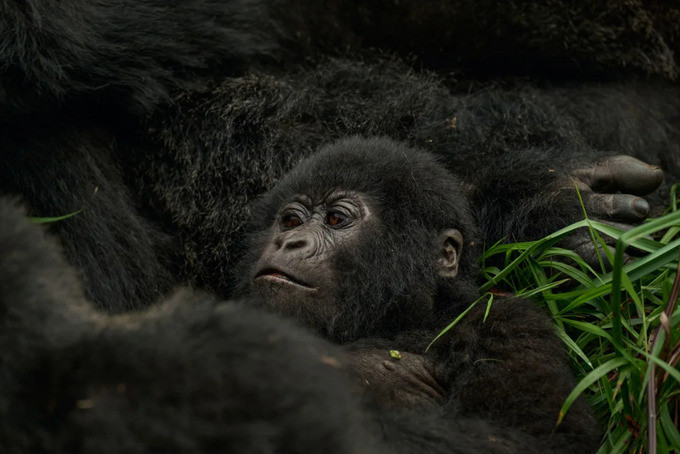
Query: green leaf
<point>588,380</point>
<point>669,427</point>
<point>573,346</point>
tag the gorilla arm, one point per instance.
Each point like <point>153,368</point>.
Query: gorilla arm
<point>513,368</point>
<point>510,368</point>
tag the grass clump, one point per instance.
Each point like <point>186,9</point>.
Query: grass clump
<point>621,327</point>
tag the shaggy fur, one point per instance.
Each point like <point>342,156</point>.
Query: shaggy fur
<point>134,52</point>
<point>513,144</point>
<point>242,90</point>
<point>165,121</point>
<point>509,368</point>
<point>135,49</point>
<point>121,256</point>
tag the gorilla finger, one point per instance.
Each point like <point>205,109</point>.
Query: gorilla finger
<point>583,246</point>
<point>417,384</point>
<point>619,225</point>
<point>574,241</point>
<point>606,238</point>
<point>632,251</point>
<point>426,379</point>
<point>622,173</point>
<point>620,207</point>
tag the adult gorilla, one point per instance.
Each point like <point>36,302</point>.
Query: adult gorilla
<point>164,195</point>
<point>372,244</point>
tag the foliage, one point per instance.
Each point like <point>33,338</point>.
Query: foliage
<point>620,323</point>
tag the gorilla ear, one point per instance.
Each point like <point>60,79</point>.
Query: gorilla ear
<point>451,245</point>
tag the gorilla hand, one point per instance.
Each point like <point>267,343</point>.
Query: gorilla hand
<point>611,189</point>
<point>407,382</point>
<point>611,193</point>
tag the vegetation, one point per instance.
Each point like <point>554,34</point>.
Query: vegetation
<point>619,323</point>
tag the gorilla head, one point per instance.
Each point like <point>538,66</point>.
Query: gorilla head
<point>366,237</point>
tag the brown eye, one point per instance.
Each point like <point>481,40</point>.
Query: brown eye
<point>290,221</point>
<point>335,219</point>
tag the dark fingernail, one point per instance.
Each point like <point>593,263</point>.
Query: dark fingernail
<point>640,206</point>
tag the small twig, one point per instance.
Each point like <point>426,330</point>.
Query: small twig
<point>651,385</point>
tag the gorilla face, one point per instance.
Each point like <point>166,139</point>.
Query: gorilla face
<point>295,273</point>
<point>360,239</point>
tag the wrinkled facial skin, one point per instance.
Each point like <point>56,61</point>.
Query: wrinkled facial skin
<point>295,273</point>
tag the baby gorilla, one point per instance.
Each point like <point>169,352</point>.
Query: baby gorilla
<point>372,244</point>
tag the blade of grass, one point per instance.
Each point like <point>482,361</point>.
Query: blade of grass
<point>47,220</point>
<point>588,380</point>
<point>462,314</point>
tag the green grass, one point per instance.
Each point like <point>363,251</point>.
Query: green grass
<point>621,327</point>
<point>49,220</point>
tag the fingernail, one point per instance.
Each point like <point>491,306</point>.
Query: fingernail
<point>640,206</point>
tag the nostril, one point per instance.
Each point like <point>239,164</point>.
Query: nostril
<point>294,244</point>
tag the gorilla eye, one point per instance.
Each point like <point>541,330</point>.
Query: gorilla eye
<point>335,219</point>
<point>290,221</point>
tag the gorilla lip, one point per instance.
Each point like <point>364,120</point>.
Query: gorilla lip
<point>278,275</point>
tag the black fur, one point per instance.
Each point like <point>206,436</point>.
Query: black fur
<point>133,53</point>
<point>140,50</point>
<point>121,256</point>
<point>509,368</point>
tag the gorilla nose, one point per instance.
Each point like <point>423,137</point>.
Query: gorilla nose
<point>296,243</point>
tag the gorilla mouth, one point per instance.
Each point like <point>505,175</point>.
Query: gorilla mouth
<point>272,274</point>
